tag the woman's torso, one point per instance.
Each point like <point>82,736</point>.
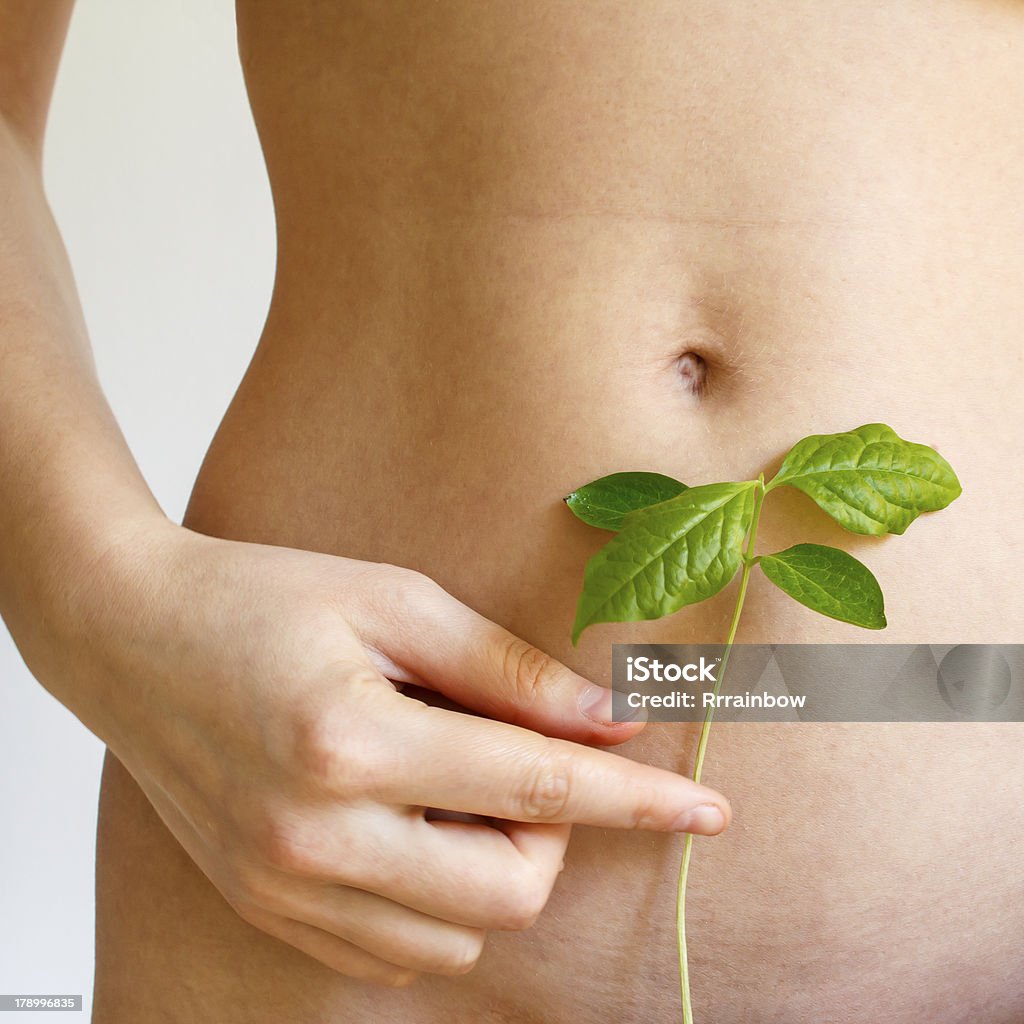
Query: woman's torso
<point>500,225</point>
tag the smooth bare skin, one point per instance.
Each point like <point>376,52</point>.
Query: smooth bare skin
<point>249,689</point>
<point>500,227</point>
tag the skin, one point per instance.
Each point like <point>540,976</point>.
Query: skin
<point>495,270</point>
<point>253,692</point>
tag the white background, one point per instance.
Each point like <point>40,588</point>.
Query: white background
<point>155,175</point>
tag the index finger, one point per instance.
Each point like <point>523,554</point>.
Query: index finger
<point>457,762</point>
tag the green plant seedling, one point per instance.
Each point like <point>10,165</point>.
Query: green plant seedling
<point>676,545</point>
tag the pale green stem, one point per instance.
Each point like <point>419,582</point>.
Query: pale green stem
<point>702,745</point>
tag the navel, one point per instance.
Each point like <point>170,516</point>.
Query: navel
<point>693,372</point>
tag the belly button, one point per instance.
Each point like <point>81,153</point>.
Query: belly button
<point>693,371</point>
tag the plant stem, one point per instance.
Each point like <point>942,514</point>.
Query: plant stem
<point>702,745</point>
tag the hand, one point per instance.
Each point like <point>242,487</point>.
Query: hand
<point>248,689</point>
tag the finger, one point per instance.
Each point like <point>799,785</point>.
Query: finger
<point>441,758</point>
<point>388,930</point>
<point>470,875</point>
<point>339,955</point>
<point>446,646</point>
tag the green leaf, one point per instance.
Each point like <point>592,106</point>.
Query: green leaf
<point>829,581</point>
<point>869,480</point>
<point>604,502</point>
<point>676,553</point>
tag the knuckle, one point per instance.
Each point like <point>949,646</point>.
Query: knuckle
<point>523,905</point>
<point>400,590</point>
<point>415,582</point>
<point>461,957</point>
<point>545,789</point>
<point>333,745</point>
<point>287,844</point>
<point>529,670</point>
<point>649,807</point>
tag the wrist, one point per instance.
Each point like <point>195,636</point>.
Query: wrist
<point>72,617</point>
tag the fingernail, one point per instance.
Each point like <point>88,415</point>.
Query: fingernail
<point>705,820</point>
<point>596,704</point>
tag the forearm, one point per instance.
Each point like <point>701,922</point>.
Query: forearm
<point>71,489</point>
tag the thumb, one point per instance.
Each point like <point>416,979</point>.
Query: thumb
<point>445,646</point>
